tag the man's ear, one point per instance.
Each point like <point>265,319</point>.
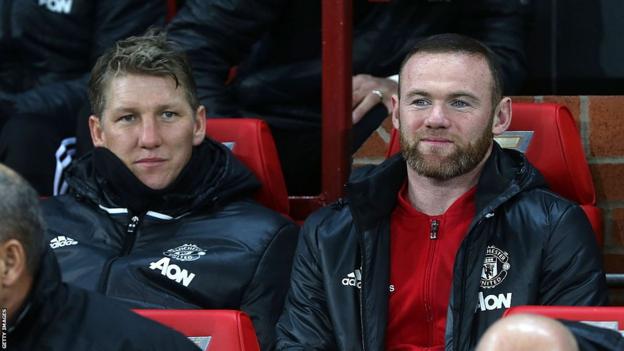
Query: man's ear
<point>95,127</point>
<point>199,129</point>
<point>13,262</point>
<point>502,116</point>
<point>395,112</point>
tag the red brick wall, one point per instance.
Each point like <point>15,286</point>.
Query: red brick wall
<point>600,120</point>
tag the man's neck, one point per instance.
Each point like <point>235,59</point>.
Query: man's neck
<point>433,196</point>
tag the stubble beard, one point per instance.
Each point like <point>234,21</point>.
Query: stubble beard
<point>461,160</point>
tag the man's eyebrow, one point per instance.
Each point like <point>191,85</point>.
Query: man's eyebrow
<point>122,109</point>
<point>464,94</point>
<point>413,93</point>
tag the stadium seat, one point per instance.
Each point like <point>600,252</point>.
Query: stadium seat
<point>556,151</point>
<point>607,316</point>
<point>251,142</point>
<point>214,330</point>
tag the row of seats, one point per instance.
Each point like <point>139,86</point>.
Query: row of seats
<point>555,148</point>
<point>227,330</point>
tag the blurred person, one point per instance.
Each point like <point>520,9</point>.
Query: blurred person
<point>534,332</point>
<point>159,216</point>
<point>41,312</point>
<point>429,248</point>
<point>527,332</point>
<point>276,48</point>
<point>47,48</point>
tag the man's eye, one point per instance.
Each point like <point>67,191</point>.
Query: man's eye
<point>420,102</point>
<point>459,103</point>
<point>126,118</point>
<point>169,115</point>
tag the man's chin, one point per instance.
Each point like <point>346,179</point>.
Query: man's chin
<point>154,183</point>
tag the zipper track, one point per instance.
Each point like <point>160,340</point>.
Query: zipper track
<point>129,240</point>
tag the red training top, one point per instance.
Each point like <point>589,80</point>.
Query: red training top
<point>422,254</point>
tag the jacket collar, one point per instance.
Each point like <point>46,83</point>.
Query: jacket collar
<point>372,191</point>
<point>221,179</point>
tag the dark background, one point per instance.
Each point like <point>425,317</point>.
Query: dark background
<point>575,47</point>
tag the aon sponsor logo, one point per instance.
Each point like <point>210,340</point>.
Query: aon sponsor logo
<point>173,271</point>
<point>58,6</point>
<point>493,302</point>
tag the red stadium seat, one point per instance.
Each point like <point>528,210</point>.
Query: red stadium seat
<point>214,330</point>
<point>252,143</point>
<point>556,151</point>
<point>610,317</point>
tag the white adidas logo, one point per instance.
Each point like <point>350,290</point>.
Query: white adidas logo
<point>61,241</point>
<point>353,279</point>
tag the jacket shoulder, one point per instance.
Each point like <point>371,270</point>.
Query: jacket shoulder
<point>133,332</point>
<point>332,220</point>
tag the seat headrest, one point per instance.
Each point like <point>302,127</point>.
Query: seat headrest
<point>209,329</point>
<point>252,143</point>
<point>555,149</point>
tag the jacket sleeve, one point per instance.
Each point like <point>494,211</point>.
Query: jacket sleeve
<point>216,35</point>
<point>305,323</point>
<point>263,299</point>
<point>112,21</point>
<point>572,271</point>
<point>501,25</point>
<point>591,338</point>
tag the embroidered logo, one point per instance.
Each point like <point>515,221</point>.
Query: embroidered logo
<point>353,279</point>
<point>61,241</point>
<point>495,267</point>
<point>185,253</point>
<point>58,6</point>
<point>173,271</point>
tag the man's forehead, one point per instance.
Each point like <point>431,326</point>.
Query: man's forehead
<point>441,59</point>
<point>426,68</point>
<point>127,91</point>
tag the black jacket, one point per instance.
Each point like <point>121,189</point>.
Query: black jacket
<point>57,316</point>
<point>47,48</point>
<point>276,45</point>
<point>541,246</point>
<point>212,249</point>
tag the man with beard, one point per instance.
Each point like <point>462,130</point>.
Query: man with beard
<point>429,248</point>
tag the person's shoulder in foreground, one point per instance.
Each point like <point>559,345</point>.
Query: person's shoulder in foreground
<point>527,332</point>
<point>42,313</point>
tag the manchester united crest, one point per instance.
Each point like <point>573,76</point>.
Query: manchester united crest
<point>186,252</point>
<point>495,267</point>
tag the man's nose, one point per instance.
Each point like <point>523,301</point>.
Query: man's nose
<point>437,117</point>
<point>150,133</point>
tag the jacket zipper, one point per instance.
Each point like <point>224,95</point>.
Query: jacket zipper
<point>433,235</point>
<point>462,297</point>
<point>131,235</point>
<point>129,241</point>
<point>362,297</point>
<point>433,229</point>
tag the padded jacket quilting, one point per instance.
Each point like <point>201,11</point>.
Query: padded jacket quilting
<point>547,242</point>
<point>214,249</point>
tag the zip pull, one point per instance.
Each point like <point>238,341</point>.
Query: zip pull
<point>132,225</point>
<point>433,230</point>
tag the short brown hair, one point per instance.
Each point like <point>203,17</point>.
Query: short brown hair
<point>149,54</point>
<point>457,43</point>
